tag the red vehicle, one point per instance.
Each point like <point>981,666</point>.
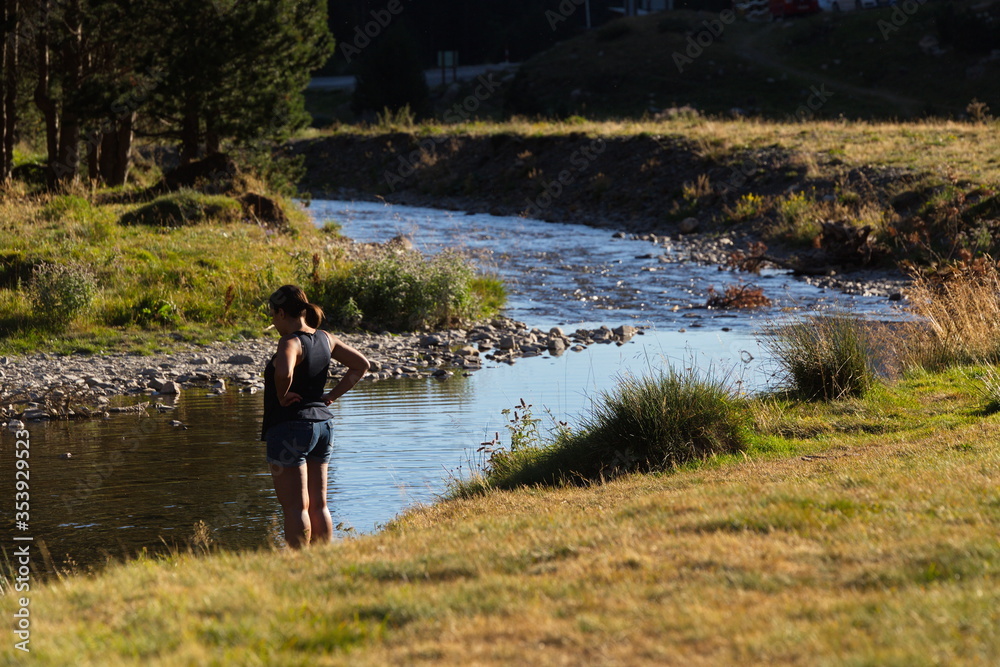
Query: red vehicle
<point>782,8</point>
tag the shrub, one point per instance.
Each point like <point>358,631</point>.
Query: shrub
<point>799,218</point>
<point>402,290</point>
<point>184,207</point>
<point>748,207</point>
<point>61,291</point>
<point>825,357</point>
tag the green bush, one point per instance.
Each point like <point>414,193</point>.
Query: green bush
<point>403,290</point>
<point>60,291</point>
<point>825,357</point>
<point>644,425</point>
<point>184,207</point>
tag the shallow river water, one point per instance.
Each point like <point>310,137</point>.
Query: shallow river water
<point>137,482</point>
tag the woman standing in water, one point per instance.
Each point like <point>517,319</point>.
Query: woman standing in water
<point>298,425</point>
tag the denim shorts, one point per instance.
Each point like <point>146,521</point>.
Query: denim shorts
<point>291,443</point>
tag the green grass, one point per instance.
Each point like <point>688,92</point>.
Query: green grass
<point>184,207</point>
<point>825,357</point>
<point>403,290</point>
<point>859,531</point>
<point>166,280</point>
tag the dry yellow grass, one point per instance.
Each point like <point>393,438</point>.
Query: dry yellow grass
<point>949,148</point>
<point>860,549</point>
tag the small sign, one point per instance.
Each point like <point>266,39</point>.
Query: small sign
<point>447,58</point>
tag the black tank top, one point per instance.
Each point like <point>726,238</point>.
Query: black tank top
<point>308,381</point>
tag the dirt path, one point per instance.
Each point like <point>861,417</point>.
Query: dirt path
<point>749,49</point>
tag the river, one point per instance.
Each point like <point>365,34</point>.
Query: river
<point>139,483</point>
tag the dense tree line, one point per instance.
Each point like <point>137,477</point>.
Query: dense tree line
<point>94,74</point>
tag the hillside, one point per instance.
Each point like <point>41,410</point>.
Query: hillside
<point>874,64</point>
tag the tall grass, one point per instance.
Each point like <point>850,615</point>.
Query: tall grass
<point>646,424</point>
<point>959,317</point>
<point>825,357</point>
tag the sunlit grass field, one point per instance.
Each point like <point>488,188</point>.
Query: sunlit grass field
<point>859,531</point>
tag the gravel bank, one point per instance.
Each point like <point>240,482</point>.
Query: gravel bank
<point>43,386</point>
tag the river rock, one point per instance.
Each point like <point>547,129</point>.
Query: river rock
<point>35,414</point>
<point>240,359</point>
<point>170,388</point>
<point>507,343</point>
<point>624,332</point>
<point>688,225</point>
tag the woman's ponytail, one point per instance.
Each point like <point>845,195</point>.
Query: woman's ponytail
<point>294,302</point>
<point>314,315</point>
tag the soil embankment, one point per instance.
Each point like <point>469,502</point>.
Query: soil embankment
<point>806,210</point>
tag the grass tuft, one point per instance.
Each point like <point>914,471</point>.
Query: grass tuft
<point>647,424</point>
<point>825,357</point>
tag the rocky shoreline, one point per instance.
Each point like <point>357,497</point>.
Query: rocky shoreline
<point>43,386</point>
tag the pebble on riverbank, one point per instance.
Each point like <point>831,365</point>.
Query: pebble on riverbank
<point>43,386</point>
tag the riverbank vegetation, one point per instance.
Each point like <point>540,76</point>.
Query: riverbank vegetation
<point>104,270</point>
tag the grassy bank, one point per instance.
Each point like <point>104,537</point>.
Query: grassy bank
<point>925,192</point>
<point>123,271</point>
<point>860,531</point>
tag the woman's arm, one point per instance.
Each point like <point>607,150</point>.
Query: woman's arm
<point>285,360</point>
<point>357,366</point>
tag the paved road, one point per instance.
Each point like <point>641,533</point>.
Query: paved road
<point>433,76</point>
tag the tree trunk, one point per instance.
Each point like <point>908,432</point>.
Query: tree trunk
<point>116,151</point>
<point>94,154</point>
<point>213,143</point>
<point>11,48</point>
<point>68,162</point>
<point>43,98</point>
<point>190,134</point>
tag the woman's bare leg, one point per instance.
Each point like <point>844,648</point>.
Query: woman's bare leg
<point>319,513</point>
<point>290,487</point>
